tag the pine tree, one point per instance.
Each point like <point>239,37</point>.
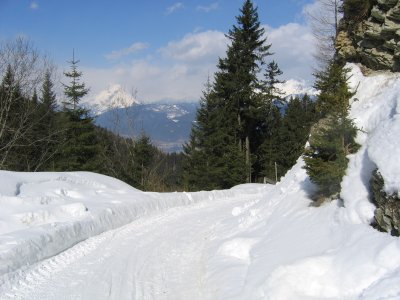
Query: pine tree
<point>228,129</point>
<point>333,138</point>
<point>46,125</point>
<point>48,97</point>
<point>270,149</point>
<point>197,166</point>
<point>80,147</point>
<point>237,81</point>
<point>13,123</point>
<point>299,116</point>
<point>143,154</point>
<point>270,91</point>
<point>75,90</point>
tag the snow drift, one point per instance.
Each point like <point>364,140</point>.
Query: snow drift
<point>43,214</point>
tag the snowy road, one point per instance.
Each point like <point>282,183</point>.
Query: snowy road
<point>163,256</point>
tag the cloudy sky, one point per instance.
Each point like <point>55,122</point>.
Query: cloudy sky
<point>163,49</point>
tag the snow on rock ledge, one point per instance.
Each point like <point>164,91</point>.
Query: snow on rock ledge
<point>375,110</point>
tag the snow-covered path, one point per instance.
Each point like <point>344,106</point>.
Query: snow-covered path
<point>162,256</point>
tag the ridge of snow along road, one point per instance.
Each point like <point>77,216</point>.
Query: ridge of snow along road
<point>42,214</point>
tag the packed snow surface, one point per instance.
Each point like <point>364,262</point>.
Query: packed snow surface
<point>86,236</point>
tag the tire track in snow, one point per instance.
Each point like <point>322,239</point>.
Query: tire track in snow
<point>149,258</point>
<point>20,284</point>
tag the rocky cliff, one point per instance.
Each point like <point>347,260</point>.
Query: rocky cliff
<point>371,37</point>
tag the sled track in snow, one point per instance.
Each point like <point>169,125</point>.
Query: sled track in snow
<point>21,283</point>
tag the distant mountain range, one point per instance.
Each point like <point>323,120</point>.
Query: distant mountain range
<point>168,125</point>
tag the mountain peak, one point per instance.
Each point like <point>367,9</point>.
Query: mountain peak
<point>115,96</point>
<point>293,87</point>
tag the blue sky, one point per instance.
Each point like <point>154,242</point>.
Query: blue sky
<point>163,49</point>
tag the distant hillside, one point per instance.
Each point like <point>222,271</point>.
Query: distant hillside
<point>168,125</point>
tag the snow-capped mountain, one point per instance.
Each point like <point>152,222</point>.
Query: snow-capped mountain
<point>172,111</point>
<point>115,96</point>
<point>294,87</point>
<point>168,125</point>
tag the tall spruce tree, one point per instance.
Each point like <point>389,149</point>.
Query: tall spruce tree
<point>74,91</point>
<point>239,79</point>
<point>299,116</point>
<point>46,125</point>
<point>333,138</point>
<point>271,98</point>
<point>227,133</point>
<point>269,88</point>
<point>269,151</point>
<point>196,163</point>
<point>80,147</point>
<point>143,154</point>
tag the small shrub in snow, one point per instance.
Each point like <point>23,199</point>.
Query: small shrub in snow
<point>333,137</point>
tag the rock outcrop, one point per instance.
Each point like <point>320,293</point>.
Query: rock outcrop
<point>373,41</point>
<point>387,213</point>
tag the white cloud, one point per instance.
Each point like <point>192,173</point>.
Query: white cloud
<point>154,82</point>
<point>196,47</point>
<point>208,8</point>
<point>126,51</point>
<point>34,5</point>
<point>173,8</point>
<point>179,70</point>
<point>293,46</point>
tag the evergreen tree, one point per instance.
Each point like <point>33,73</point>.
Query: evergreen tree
<point>334,92</point>
<point>143,154</point>
<point>75,90</point>
<point>13,123</point>
<point>270,148</point>
<point>299,116</point>
<point>46,125</point>
<point>237,80</point>
<point>197,160</point>
<point>270,91</point>
<point>48,98</point>
<point>226,137</point>
<point>267,164</point>
<point>80,147</point>
<point>333,138</point>
<point>34,99</point>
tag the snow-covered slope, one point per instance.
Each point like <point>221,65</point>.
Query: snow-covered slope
<point>249,242</point>
<point>280,248</point>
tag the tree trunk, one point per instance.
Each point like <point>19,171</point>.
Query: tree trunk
<point>239,139</point>
<point>248,163</point>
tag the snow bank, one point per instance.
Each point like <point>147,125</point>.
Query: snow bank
<point>43,214</point>
<point>281,248</point>
<point>375,110</point>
